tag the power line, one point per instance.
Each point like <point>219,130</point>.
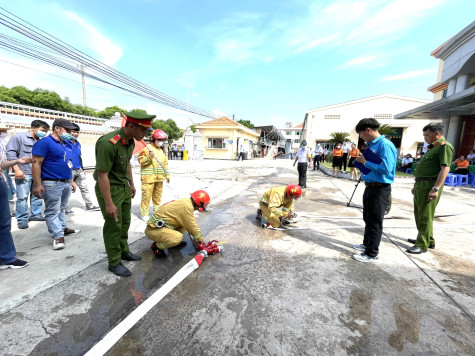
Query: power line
<point>58,53</point>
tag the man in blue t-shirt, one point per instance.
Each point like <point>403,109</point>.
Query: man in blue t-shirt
<point>79,177</point>
<point>52,178</point>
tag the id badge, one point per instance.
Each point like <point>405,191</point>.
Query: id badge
<point>70,164</point>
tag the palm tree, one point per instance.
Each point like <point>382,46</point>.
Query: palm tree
<point>338,137</point>
<point>386,129</point>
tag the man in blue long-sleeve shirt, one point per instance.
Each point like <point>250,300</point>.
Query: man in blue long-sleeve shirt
<point>378,187</point>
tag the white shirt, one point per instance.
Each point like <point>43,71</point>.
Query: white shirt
<point>318,150</point>
<point>346,147</point>
<point>302,155</point>
<point>406,161</point>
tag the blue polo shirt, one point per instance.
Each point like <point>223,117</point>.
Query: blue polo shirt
<point>56,157</point>
<point>383,172</point>
<point>75,154</point>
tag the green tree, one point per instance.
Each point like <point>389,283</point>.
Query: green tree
<point>336,137</point>
<point>110,111</point>
<point>193,128</point>
<point>170,128</point>
<point>47,99</point>
<point>246,123</point>
<point>83,110</point>
<point>6,96</point>
<point>22,95</point>
<point>140,111</point>
<point>386,129</point>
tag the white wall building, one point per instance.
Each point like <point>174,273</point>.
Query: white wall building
<point>292,136</point>
<point>321,122</point>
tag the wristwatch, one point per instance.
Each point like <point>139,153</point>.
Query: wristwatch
<point>434,189</point>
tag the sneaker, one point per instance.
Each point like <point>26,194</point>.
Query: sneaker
<point>37,218</point>
<point>120,270</point>
<point>92,208</point>
<point>145,218</point>
<point>23,225</point>
<point>158,252</point>
<point>15,264</point>
<point>359,247</point>
<point>259,214</point>
<point>68,231</point>
<point>58,244</point>
<point>365,258</point>
<point>69,212</point>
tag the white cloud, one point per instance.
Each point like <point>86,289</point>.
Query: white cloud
<point>359,61</point>
<point>108,51</point>
<point>408,75</point>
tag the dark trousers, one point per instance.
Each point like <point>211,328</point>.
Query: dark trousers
<point>316,162</point>
<point>7,248</point>
<point>345,161</point>
<point>375,200</point>
<point>302,169</point>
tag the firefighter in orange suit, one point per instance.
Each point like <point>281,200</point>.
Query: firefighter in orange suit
<point>168,224</point>
<point>154,170</point>
<point>275,198</point>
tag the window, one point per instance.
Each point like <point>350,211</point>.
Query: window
<point>444,93</point>
<point>288,133</point>
<point>217,143</point>
<point>383,116</point>
<point>297,133</point>
<point>297,141</point>
<point>331,117</point>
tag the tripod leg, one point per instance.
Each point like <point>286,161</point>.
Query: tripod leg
<point>356,186</point>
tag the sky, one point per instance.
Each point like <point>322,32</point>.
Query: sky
<point>264,61</point>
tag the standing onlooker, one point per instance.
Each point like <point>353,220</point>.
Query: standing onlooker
<point>353,153</point>
<point>378,187</point>
<point>79,177</point>
<point>406,162</point>
<point>4,138</point>
<point>153,172</point>
<point>182,151</point>
<point>7,247</point>
<point>175,151</point>
<point>310,157</point>
<point>302,157</point>
<point>471,157</point>
<point>462,165</point>
<point>337,158</point>
<point>115,187</point>
<point>52,178</point>
<point>430,174</point>
<point>241,153</point>
<point>346,149</point>
<point>325,155</point>
<point>317,156</point>
<point>21,145</point>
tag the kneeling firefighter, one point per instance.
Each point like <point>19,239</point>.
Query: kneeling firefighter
<point>275,198</point>
<point>170,221</point>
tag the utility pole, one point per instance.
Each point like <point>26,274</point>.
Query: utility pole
<point>83,86</point>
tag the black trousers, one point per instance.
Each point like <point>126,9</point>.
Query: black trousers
<point>316,160</point>
<point>345,161</point>
<point>375,200</point>
<point>302,169</point>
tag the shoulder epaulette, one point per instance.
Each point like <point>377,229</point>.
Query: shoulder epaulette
<point>115,139</point>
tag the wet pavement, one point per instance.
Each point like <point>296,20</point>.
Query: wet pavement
<point>292,292</point>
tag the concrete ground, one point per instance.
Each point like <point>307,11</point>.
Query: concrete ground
<point>292,292</point>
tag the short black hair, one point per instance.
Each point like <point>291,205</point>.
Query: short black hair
<point>365,123</point>
<point>433,127</point>
<point>39,123</point>
<point>76,127</point>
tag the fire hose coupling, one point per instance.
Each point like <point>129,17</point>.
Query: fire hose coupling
<point>211,247</point>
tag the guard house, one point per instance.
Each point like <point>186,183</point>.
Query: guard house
<point>454,91</point>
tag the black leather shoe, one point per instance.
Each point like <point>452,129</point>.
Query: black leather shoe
<point>157,252</point>
<point>415,250</point>
<point>130,257</point>
<point>120,270</point>
<point>37,218</point>
<point>413,241</point>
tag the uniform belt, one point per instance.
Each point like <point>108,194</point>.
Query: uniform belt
<point>425,178</point>
<point>57,180</point>
<point>376,184</point>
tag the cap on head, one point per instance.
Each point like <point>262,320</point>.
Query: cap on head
<point>304,143</point>
<point>201,198</point>
<point>294,191</point>
<point>159,135</point>
<point>76,127</point>
<point>64,123</point>
<point>139,118</point>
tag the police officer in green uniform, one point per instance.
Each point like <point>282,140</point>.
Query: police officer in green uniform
<point>115,187</point>
<point>430,174</point>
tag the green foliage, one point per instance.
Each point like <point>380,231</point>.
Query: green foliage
<point>139,110</point>
<point>110,111</point>
<point>170,128</point>
<point>336,137</point>
<point>386,129</point>
<point>246,123</point>
<point>193,128</point>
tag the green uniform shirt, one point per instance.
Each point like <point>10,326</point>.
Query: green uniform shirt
<point>439,153</point>
<point>113,153</point>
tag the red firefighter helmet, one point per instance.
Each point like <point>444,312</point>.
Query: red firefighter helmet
<point>159,135</point>
<point>294,191</point>
<point>201,198</point>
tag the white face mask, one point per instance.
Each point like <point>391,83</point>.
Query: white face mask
<point>159,143</point>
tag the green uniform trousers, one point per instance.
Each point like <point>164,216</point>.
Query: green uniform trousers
<point>115,233</point>
<point>424,213</point>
